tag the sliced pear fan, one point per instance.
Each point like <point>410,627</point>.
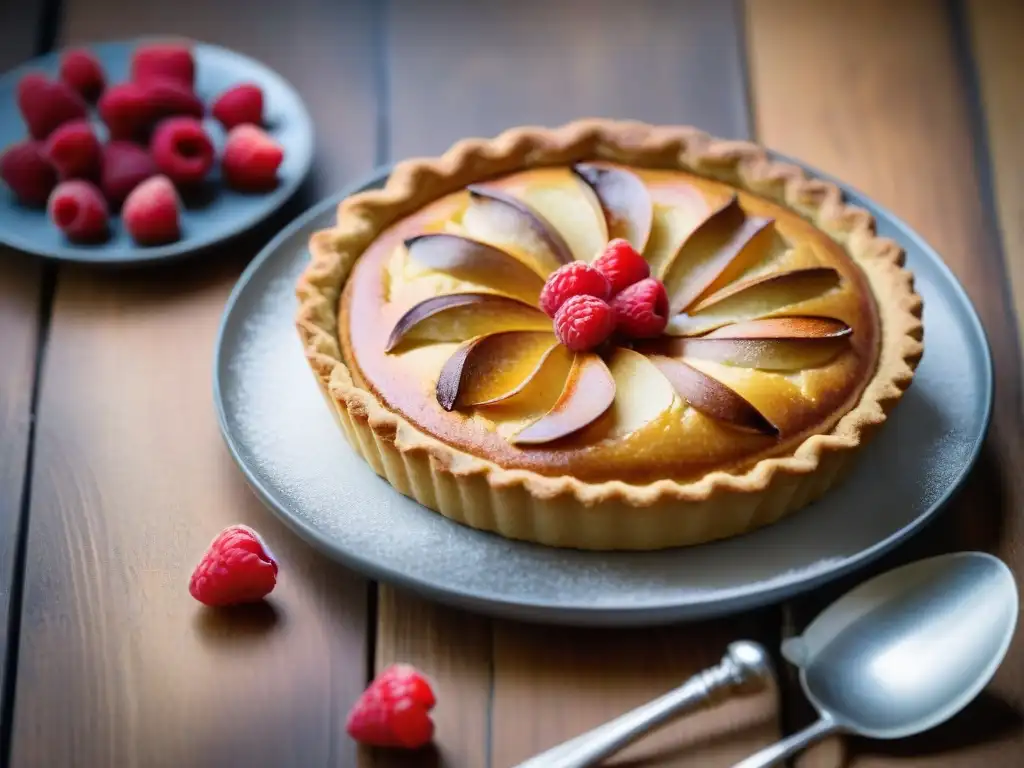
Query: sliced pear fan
<point>498,218</point>
<point>725,244</point>
<point>589,391</point>
<point>460,316</point>
<point>492,368</point>
<point>625,201</point>
<point>755,297</point>
<point>713,398</point>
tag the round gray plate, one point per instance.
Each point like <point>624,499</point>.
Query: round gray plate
<point>279,430</point>
<point>215,213</point>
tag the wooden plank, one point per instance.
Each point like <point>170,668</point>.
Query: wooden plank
<point>21,289</point>
<point>885,104</point>
<point>118,666</point>
<point>519,689</point>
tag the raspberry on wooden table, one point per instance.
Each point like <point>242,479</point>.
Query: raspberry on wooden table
<point>74,151</point>
<point>78,210</point>
<point>236,568</point>
<point>239,105</point>
<point>251,159</point>
<point>83,72</point>
<point>584,322</point>
<point>152,212</point>
<point>164,60</point>
<point>125,165</point>
<point>47,104</point>
<point>394,710</point>
<point>621,264</point>
<point>126,110</point>
<point>182,150</point>
<point>641,310</point>
<point>25,169</point>
<point>575,279</point>
<point>170,97</point>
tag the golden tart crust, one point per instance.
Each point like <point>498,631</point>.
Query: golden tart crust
<point>578,508</point>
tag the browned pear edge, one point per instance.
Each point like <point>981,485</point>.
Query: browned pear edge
<point>526,381</point>
<point>513,501</point>
<point>597,177</point>
<point>470,250</point>
<point>711,397</point>
<point>589,391</point>
<point>544,228</point>
<point>790,327</point>
<point>808,274</point>
<point>433,305</point>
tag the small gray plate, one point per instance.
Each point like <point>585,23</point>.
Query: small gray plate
<point>279,430</point>
<point>215,213</point>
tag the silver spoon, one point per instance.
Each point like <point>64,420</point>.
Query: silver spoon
<point>902,652</point>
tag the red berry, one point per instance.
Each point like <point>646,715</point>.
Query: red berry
<point>621,264</point>
<point>575,279</point>
<point>182,150</point>
<point>24,168</point>
<point>74,151</point>
<point>251,159</point>
<point>152,212</point>
<point>641,310</point>
<point>78,209</point>
<point>81,70</point>
<point>239,105</point>
<point>164,60</point>
<point>394,710</point>
<point>126,110</point>
<point>237,567</point>
<point>46,104</point>
<point>169,97</point>
<point>125,166</point>
<point>583,322</point>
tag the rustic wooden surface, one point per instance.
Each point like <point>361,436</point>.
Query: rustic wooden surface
<point>916,103</point>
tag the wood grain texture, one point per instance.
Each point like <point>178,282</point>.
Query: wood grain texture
<point>118,665</point>
<point>877,93</point>
<point>458,69</point>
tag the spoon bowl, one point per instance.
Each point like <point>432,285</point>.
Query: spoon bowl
<point>904,651</point>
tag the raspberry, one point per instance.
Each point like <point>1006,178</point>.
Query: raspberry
<point>74,151</point>
<point>641,310</point>
<point>126,110</point>
<point>80,69</point>
<point>237,567</point>
<point>151,212</point>
<point>46,104</point>
<point>125,166</point>
<point>251,159</point>
<point>583,322</point>
<point>182,150</point>
<point>239,105</point>
<point>394,710</point>
<point>574,279</point>
<point>166,97</point>
<point>164,60</point>
<point>24,168</point>
<point>621,264</point>
<point>78,209</point>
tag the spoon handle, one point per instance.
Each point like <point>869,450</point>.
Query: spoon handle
<point>744,668</point>
<point>789,746</point>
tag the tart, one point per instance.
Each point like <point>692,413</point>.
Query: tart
<point>727,379</point>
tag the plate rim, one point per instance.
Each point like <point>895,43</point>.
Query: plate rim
<point>737,600</point>
<point>276,200</point>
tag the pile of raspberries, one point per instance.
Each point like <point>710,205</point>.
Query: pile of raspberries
<point>156,144</point>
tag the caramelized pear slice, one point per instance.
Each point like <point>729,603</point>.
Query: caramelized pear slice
<point>474,262</point>
<point>726,243</point>
<point>793,327</point>
<point>678,210</point>
<point>624,199</point>
<point>641,393</point>
<point>756,297</point>
<point>713,398</point>
<point>498,218</point>
<point>589,391</point>
<point>492,368</point>
<point>460,316</point>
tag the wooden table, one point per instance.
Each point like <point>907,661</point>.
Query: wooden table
<point>113,476</point>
